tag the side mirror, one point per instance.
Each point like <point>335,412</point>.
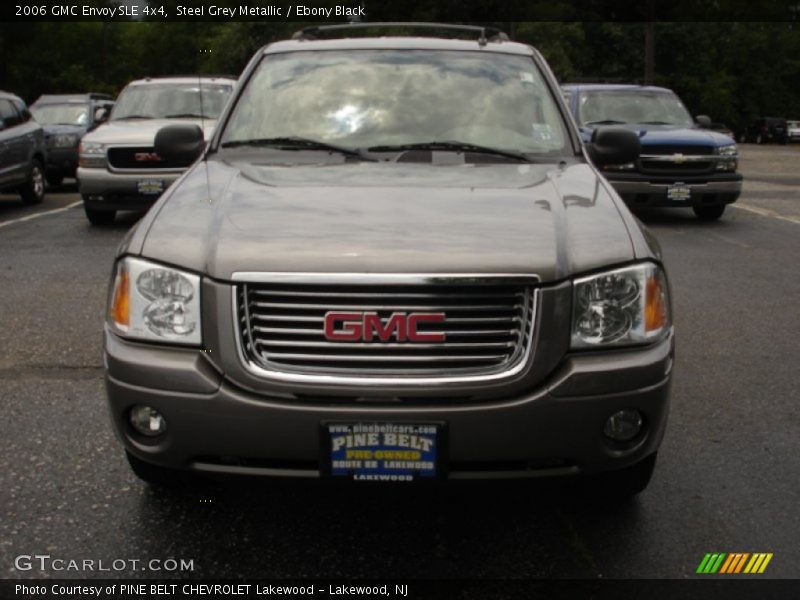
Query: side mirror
<point>703,121</point>
<point>613,146</point>
<point>180,144</point>
<point>100,115</point>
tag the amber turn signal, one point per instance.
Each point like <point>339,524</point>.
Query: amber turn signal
<point>120,310</point>
<point>655,310</point>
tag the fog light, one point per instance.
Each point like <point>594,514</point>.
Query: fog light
<point>623,425</point>
<point>147,420</point>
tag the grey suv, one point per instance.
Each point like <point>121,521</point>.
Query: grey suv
<point>119,169</point>
<point>22,150</point>
<point>66,118</point>
<point>394,261</point>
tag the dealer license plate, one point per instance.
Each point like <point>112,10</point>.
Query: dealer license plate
<point>382,451</point>
<point>679,191</point>
<point>150,187</point>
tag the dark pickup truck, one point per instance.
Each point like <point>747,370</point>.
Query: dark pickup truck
<point>683,163</point>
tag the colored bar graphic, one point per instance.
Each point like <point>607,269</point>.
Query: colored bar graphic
<point>715,567</point>
<point>727,564</point>
<point>703,563</point>
<point>734,563</point>
<point>764,564</point>
<point>741,562</point>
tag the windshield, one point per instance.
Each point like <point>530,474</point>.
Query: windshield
<point>632,106</point>
<point>378,98</point>
<point>171,100</point>
<point>61,114</point>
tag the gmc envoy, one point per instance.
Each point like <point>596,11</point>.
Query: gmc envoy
<point>393,261</point>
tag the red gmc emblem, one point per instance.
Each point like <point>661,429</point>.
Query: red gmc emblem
<point>366,326</point>
<point>147,157</point>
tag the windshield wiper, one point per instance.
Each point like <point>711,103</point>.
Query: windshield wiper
<point>297,143</point>
<point>606,122</point>
<point>655,123</point>
<point>186,116</point>
<point>454,146</point>
<point>134,117</point>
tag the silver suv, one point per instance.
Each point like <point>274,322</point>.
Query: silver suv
<point>118,167</point>
<point>394,261</point>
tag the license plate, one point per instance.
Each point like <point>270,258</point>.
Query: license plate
<point>382,451</point>
<point>679,191</point>
<point>150,187</point>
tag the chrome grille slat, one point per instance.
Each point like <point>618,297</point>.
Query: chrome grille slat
<point>392,307</point>
<point>487,328</point>
<point>389,295</point>
<point>368,358</point>
<point>289,331</point>
<point>384,346</point>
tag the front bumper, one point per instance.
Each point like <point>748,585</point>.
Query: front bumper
<point>116,190</point>
<point>555,429</point>
<point>637,189</point>
<point>62,161</point>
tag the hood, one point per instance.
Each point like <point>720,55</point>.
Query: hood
<point>656,135</point>
<point>141,132</point>
<point>389,218</point>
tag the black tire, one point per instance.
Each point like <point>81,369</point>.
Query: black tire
<point>153,474</point>
<point>622,484</point>
<point>32,191</point>
<point>101,218</point>
<point>55,180</point>
<point>709,213</point>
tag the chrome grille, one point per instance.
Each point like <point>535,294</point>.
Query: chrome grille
<point>665,159</point>
<point>487,328</point>
<point>141,157</point>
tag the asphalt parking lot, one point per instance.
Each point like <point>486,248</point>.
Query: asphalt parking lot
<point>726,479</point>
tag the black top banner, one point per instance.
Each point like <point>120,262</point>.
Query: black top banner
<point>494,11</point>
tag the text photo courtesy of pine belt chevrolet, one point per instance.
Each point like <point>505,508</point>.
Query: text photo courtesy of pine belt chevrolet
<point>683,163</point>
<point>394,260</point>
<point>119,168</point>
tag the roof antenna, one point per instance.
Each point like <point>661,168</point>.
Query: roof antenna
<point>203,129</point>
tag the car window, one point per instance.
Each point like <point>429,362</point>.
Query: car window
<point>61,114</point>
<point>171,100</point>
<point>369,98</point>
<point>23,111</point>
<point>8,114</point>
<point>632,106</point>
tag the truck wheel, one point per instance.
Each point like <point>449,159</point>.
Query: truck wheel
<point>153,474</point>
<point>32,191</point>
<point>709,213</point>
<point>99,217</point>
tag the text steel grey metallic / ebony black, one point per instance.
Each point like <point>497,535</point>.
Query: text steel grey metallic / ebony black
<point>394,261</point>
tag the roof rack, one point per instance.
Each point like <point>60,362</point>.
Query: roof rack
<point>192,76</point>
<point>485,34</point>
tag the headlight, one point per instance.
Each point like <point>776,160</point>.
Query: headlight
<point>727,156</point>
<point>92,154</point>
<point>64,140</point>
<point>156,303</point>
<point>620,307</point>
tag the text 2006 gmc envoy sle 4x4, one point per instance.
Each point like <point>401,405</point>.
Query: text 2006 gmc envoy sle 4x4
<point>393,261</point>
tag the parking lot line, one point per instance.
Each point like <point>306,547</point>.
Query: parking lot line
<point>765,213</point>
<point>41,214</point>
